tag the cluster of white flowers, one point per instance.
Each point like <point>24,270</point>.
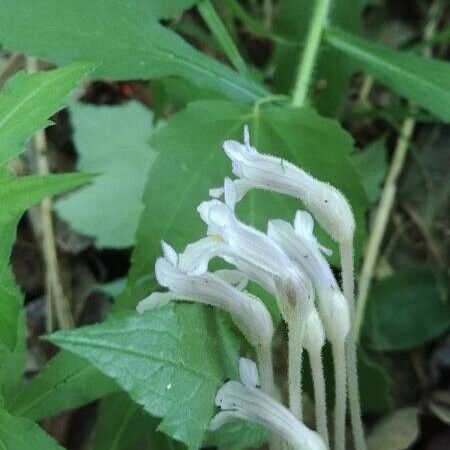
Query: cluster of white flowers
<point>289,263</point>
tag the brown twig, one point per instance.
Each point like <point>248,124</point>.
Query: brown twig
<point>57,301</point>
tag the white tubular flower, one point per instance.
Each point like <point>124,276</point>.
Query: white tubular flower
<point>302,247</point>
<point>248,312</point>
<point>254,252</point>
<point>197,255</point>
<point>243,400</point>
<point>255,170</point>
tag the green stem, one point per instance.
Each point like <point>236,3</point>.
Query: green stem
<point>217,27</point>
<point>310,52</point>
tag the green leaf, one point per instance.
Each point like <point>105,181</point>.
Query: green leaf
<point>406,310</point>
<point>215,24</point>
<point>165,364</point>
<point>112,141</point>
<point>191,161</point>
<point>18,194</point>
<point>10,306</point>
<point>424,81</point>
<point>27,101</point>
<point>371,165</point>
<point>122,424</point>
<point>142,49</point>
<point>398,431</point>
<point>237,435</point>
<point>17,433</point>
<point>66,382</point>
<point>375,385</point>
<point>12,336</point>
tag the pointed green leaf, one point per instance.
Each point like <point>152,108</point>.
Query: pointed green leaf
<point>18,194</point>
<point>424,81</point>
<point>128,41</point>
<point>66,382</point>
<point>17,433</point>
<point>27,101</point>
<point>166,365</point>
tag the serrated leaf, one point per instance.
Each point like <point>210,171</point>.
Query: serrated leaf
<point>406,310</point>
<point>111,141</point>
<point>128,41</point>
<point>396,432</point>
<point>17,433</point>
<point>66,382</point>
<point>27,101</point>
<point>191,161</point>
<point>18,194</point>
<point>165,364</point>
<point>424,81</point>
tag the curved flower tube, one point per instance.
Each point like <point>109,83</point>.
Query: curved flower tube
<point>301,246</point>
<point>248,312</point>
<point>243,400</point>
<point>260,171</point>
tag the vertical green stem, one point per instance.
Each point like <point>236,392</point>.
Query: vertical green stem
<point>309,57</point>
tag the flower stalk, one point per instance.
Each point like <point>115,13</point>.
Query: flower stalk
<point>310,51</point>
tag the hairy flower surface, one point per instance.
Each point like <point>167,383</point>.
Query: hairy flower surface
<point>248,312</point>
<point>259,171</point>
<point>257,255</point>
<point>243,400</point>
<point>301,246</point>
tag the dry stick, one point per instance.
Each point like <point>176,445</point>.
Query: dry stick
<point>389,191</point>
<point>55,293</point>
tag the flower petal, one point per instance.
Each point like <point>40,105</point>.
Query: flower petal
<point>155,300</point>
<point>248,373</point>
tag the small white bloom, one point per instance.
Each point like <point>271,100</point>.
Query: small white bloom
<point>243,400</point>
<point>255,254</point>
<point>301,246</point>
<point>196,256</point>
<point>248,312</point>
<point>255,170</point>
